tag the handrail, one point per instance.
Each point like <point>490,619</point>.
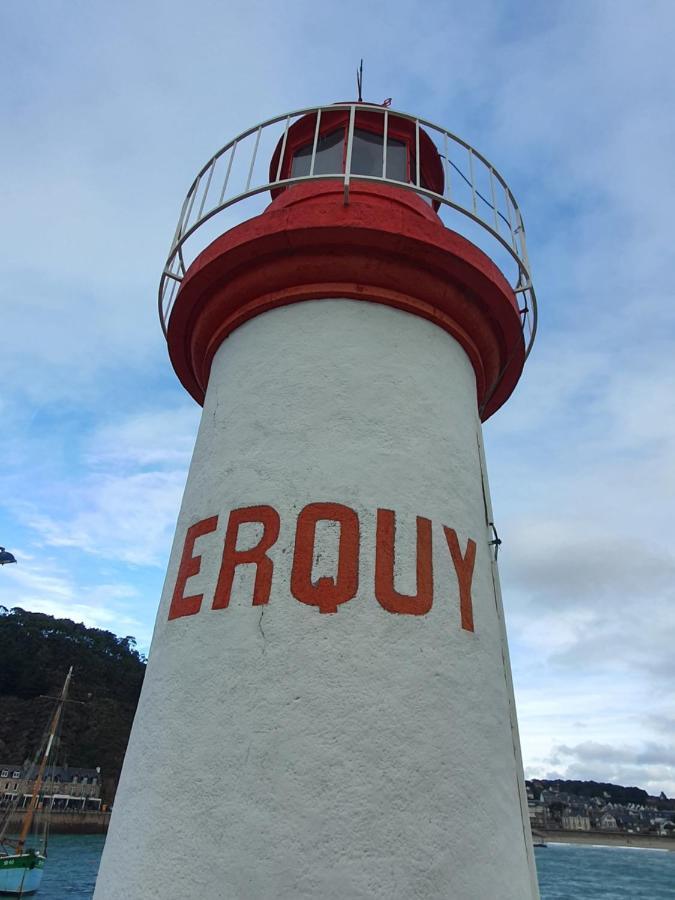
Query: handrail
<point>489,203</point>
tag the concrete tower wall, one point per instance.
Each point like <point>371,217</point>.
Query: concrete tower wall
<point>328,739</point>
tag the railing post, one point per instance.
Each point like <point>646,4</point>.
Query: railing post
<point>206,190</point>
<point>316,141</point>
<point>417,152</point>
<point>384,143</point>
<point>348,159</point>
<point>188,212</point>
<point>227,174</point>
<point>447,164</point>
<point>255,153</point>
<point>494,199</point>
<point>510,217</point>
<point>473,183</point>
<point>283,148</point>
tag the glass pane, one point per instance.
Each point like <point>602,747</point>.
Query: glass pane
<point>367,153</point>
<point>328,156</point>
<point>367,156</point>
<point>397,153</point>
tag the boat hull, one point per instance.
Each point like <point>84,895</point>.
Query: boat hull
<point>20,875</point>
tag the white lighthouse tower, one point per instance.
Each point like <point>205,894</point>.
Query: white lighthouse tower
<point>328,709</point>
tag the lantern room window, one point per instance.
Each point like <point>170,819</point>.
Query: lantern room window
<point>329,156</point>
<point>328,147</point>
<point>367,156</point>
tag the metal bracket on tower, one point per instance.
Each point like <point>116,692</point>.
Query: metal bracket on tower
<point>496,543</point>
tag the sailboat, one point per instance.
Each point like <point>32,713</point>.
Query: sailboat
<point>22,866</point>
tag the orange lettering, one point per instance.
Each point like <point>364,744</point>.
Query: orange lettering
<point>464,570</point>
<point>269,519</point>
<point>190,565</point>
<point>387,596</point>
<point>326,593</point>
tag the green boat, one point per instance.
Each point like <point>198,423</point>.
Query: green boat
<point>21,874</point>
<point>21,865</point>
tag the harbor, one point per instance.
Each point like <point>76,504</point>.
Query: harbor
<point>564,870</point>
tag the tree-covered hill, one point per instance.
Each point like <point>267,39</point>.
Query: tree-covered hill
<point>614,793</point>
<point>36,651</point>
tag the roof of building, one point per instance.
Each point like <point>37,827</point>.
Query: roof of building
<point>67,772</point>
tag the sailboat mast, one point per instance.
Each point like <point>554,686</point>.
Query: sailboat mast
<point>28,818</point>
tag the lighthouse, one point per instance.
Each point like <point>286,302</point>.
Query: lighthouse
<point>328,709</point>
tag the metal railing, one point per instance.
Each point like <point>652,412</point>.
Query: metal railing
<point>476,201</point>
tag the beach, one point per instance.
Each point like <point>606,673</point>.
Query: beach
<point>606,839</point>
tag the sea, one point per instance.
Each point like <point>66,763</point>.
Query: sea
<point>566,871</point>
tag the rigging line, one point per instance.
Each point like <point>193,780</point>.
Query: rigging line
<point>47,813</point>
<point>13,806</point>
<point>478,193</point>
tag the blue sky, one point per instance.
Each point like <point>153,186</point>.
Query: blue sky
<point>108,111</point>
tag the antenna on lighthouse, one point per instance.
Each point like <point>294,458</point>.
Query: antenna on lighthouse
<point>359,81</point>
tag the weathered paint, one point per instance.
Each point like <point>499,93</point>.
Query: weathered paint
<point>328,592</point>
<point>366,750</point>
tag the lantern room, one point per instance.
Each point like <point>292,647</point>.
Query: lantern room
<point>374,143</point>
<point>368,203</point>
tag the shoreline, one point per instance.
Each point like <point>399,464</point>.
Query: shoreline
<point>606,839</point>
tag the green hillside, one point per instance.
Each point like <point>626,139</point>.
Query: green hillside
<point>36,651</point>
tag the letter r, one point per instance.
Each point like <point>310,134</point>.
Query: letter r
<point>269,519</point>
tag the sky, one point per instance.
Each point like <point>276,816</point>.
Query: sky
<point>109,110</point>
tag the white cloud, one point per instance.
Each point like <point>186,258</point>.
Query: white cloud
<point>123,502</point>
<point>125,518</point>
<point>106,130</point>
<point>648,765</point>
<point>590,751</point>
<point>157,438</point>
<point>44,586</point>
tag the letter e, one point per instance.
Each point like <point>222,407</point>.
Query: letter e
<point>190,565</point>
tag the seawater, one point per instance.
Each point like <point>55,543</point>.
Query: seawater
<point>71,867</point>
<point>575,872</point>
<point>566,871</point>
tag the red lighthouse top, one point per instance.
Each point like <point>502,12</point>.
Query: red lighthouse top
<point>362,200</point>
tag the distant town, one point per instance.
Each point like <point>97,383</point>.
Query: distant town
<point>71,789</point>
<point>108,676</point>
<point>573,806</point>
<point>588,806</point>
